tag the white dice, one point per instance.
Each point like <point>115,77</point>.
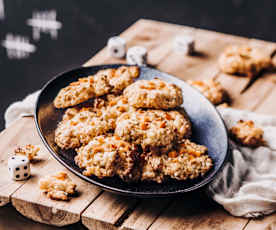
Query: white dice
<point>116,47</point>
<point>184,44</point>
<point>137,55</point>
<point>19,167</point>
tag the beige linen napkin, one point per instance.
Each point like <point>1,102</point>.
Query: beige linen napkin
<point>247,184</point>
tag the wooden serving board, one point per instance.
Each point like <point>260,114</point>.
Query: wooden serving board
<point>96,209</point>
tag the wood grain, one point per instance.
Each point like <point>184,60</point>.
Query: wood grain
<point>152,38</point>
<point>107,211</point>
<point>103,210</point>
<point>266,223</point>
<point>145,214</point>
<point>267,106</point>
<point>196,213</point>
<point>10,219</point>
<point>32,203</point>
<point>9,139</point>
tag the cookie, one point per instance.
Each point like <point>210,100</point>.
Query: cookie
<point>155,94</point>
<point>111,107</point>
<point>107,156</point>
<point>30,151</point>
<point>123,77</point>
<point>247,134</point>
<point>103,82</point>
<point>58,186</point>
<point>186,160</point>
<point>244,60</point>
<point>153,128</point>
<point>78,126</point>
<point>152,168</point>
<point>211,89</point>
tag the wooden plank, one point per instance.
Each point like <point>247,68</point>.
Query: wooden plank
<point>203,65</point>
<point>143,33</point>
<point>256,94</point>
<point>107,211</point>
<point>145,214</point>
<point>268,105</point>
<point>12,220</point>
<point>32,203</point>
<point>9,138</point>
<point>190,212</point>
<point>267,223</point>
<point>157,40</point>
<point>258,91</point>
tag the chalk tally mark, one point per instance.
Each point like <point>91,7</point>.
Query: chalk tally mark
<point>44,21</point>
<point>18,47</point>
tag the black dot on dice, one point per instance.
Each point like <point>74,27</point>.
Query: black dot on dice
<point>16,169</point>
<point>17,176</point>
<point>25,167</point>
<point>13,158</point>
<point>115,50</point>
<point>25,174</point>
<point>23,160</point>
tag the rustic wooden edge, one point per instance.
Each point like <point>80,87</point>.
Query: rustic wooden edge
<point>45,214</point>
<point>145,214</point>
<point>267,223</point>
<point>155,56</point>
<point>123,215</point>
<point>32,203</point>
<point>108,211</point>
<point>6,150</point>
<point>196,212</point>
<point>242,82</point>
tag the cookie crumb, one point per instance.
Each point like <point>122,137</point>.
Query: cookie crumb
<point>244,60</point>
<point>58,186</point>
<point>28,150</point>
<point>247,134</point>
<point>211,89</point>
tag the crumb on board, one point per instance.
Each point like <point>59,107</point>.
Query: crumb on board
<point>211,89</point>
<point>28,150</point>
<point>244,60</point>
<point>247,134</point>
<point>58,186</point>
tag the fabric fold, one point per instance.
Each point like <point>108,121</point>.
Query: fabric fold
<point>246,186</point>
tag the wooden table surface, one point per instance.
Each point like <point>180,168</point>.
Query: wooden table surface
<point>96,209</point>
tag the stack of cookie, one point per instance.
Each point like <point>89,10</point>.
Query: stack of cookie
<point>134,130</point>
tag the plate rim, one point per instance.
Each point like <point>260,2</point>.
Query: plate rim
<point>117,190</point>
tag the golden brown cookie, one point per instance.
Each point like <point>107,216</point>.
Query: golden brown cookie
<point>58,186</point>
<point>153,128</point>
<point>244,60</point>
<point>186,160</point>
<point>106,156</point>
<point>28,150</point>
<point>79,126</point>
<point>111,107</point>
<point>103,82</point>
<point>247,134</point>
<point>155,94</point>
<point>211,89</point>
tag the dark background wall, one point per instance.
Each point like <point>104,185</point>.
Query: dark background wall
<point>86,26</point>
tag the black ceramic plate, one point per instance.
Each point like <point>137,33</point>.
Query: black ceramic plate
<point>207,126</point>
